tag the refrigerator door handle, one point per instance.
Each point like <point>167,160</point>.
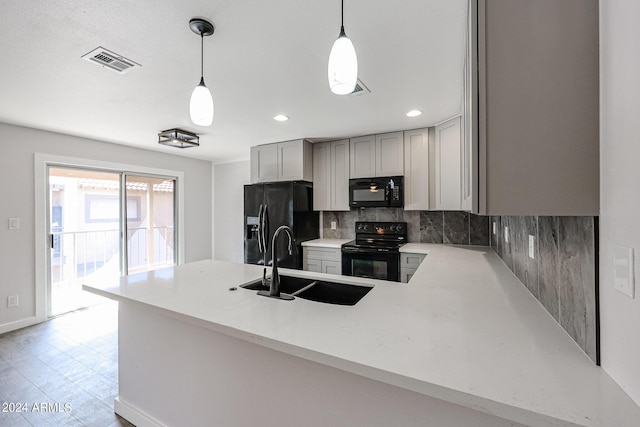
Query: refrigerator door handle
<point>265,228</point>
<point>260,242</point>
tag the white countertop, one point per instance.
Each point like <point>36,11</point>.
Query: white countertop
<point>463,330</point>
<point>326,243</point>
<point>416,248</point>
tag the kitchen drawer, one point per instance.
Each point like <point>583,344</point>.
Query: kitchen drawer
<point>331,254</point>
<point>331,267</point>
<point>314,265</point>
<point>406,274</point>
<point>411,260</point>
<point>322,260</point>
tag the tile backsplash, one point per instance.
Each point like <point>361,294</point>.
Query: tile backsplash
<point>448,227</point>
<point>562,275</point>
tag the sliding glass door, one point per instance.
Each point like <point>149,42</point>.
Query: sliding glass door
<point>84,234</point>
<point>87,216</point>
<point>150,222</point>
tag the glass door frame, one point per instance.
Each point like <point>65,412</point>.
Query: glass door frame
<point>76,252</point>
<point>42,162</point>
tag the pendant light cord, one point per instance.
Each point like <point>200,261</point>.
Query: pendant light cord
<point>342,33</point>
<point>201,55</point>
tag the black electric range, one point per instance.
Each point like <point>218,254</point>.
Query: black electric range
<point>375,253</point>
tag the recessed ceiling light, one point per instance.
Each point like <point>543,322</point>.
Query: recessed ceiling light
<point>414,113</point>
<point>281,118</point>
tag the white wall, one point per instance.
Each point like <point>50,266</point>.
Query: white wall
<point>17,199</point>
<point>619,186</point>
<point>228,212</point>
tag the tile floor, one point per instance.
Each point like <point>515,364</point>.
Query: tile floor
<point>63,372</point>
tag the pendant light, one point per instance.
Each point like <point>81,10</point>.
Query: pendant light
<point>201,105</point>
<point>343,63</point>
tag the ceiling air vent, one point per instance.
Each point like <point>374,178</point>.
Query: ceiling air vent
<point>360,89</point>
<point>112,61</point>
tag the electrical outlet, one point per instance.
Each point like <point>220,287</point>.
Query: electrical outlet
<point>623,280</point>
<point>12,301</point>
<point>495,230</point>
<point>532,247</point>
<point>334,225</point>
<point>506,234</point>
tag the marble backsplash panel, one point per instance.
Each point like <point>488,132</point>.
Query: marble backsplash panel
<point>562,274</point>
<point>448,227</point>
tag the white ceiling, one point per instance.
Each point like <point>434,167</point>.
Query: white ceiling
<point>265,58</point>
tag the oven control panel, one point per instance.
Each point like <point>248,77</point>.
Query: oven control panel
<point>381,228</point>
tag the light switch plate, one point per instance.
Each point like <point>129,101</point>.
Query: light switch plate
<point>14,223</point>
<point>623,280</point>
<point>334,225</point>
<point>12,301</point>
<point>532,247</point>
<point>506,234</point>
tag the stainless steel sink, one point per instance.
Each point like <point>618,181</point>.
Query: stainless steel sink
<point>316,290</point>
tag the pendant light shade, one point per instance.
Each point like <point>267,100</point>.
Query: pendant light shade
<point>201,104</point>
<point>343,64</point>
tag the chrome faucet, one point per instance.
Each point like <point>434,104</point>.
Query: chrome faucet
<point>274,286</point>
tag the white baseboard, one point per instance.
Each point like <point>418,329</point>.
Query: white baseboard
<point>134,415</point>
<point>18,324</point>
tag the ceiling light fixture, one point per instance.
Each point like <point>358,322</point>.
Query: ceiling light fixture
<point>343,63</point>
<point>201,105</point>
<point>414,113</point>
<point>281,118</point>
<point>178,138</point>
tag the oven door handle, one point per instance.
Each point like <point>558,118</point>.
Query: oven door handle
<point>367,251</point>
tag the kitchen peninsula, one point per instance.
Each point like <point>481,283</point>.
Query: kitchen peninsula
<point>463,343</point>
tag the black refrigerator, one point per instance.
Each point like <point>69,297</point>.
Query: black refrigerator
<point>267,207</point>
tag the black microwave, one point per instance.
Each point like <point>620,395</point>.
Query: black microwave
<point>385,192</point>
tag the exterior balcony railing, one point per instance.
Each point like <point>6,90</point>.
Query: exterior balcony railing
<point>77,254</point>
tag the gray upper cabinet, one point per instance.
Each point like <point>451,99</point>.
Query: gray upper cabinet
<point>322,176</point>
<point>377,155</point>
<point>448,165</point>
<point>416,170</point>
<point>433,162</point>
<point>282,161</point>
<point>390,154</point>
<point>362,156</point>
<point>264,163</point>
<point>331,176</point>
<point>538,79</point>
<point>340,175</point>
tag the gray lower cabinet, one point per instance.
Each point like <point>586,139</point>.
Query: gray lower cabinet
<point>322,260</point>
<point>409,263</point>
